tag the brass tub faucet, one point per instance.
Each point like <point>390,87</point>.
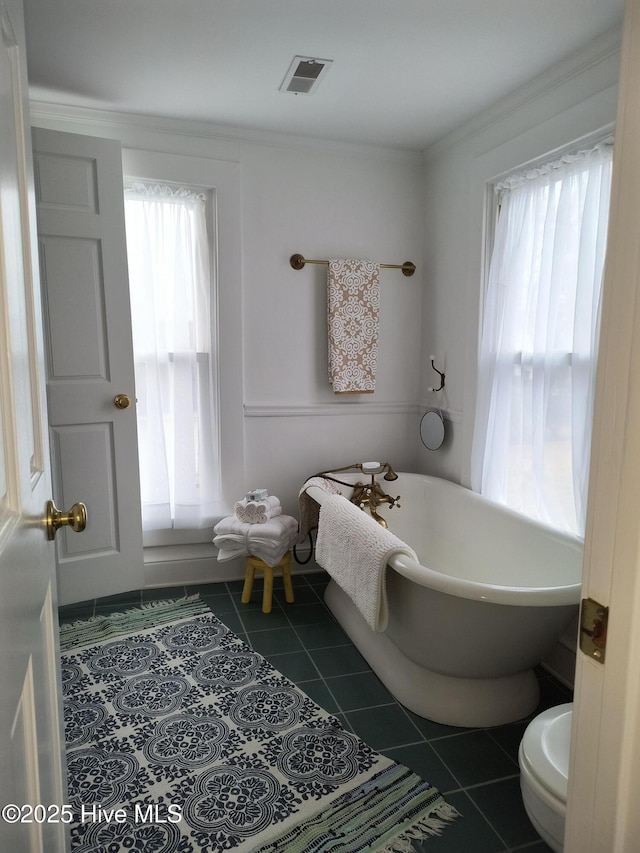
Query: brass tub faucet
<point>368,495</point>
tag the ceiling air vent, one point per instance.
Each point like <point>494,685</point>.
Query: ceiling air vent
<point>304,74</point>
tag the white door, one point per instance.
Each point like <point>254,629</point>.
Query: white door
<point>89,353</point>
<point>31,759</point>
<point>604,776</point>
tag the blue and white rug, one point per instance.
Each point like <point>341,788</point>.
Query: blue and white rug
<point>181,739</point>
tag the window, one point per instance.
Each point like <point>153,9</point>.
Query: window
<point>539,339</point>
<point>169,251</point>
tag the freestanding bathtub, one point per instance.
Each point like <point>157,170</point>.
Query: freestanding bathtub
<point>488,600</point>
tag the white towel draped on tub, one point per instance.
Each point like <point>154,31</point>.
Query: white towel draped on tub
<point>353,305</point>
<point>354,549</point>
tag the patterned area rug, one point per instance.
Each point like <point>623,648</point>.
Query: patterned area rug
<point>181,739</point>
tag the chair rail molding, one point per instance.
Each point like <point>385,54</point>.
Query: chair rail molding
<point>330,409</point>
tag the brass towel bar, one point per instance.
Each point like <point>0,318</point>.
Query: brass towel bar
<point>298,261</point>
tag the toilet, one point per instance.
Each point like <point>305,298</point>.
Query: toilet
<point>544,768</point>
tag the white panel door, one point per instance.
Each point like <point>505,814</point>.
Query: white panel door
<point>89,355</point>
<point>31,759</point>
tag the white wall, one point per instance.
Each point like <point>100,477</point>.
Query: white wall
<point>567,104</point>
<point>323,205</point>
<point>323,201</point>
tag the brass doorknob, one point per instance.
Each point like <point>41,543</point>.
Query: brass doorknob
<point>122,401</point>
<point>75,518</point>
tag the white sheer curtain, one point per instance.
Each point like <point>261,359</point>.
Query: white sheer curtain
<point>539,339</point>
<point>170,284</point>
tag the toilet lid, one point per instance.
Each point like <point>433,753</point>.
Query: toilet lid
<point>545,746</point>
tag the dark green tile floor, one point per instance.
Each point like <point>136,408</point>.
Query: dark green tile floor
<point>476,769</point>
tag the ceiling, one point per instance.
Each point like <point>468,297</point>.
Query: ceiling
<point>404,73</point>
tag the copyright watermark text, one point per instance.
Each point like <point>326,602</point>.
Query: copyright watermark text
<point>37,814</point>
<point>140,813</point>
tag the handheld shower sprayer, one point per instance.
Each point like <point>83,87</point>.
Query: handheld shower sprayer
<point>370,468</point>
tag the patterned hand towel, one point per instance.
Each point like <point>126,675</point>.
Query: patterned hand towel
<point>353,305</point>
<point>354,549</point>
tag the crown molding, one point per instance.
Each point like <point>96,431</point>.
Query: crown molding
<point>599,50</point>
<point>46,112</point>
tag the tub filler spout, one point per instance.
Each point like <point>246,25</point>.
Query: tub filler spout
<point>367,495</point>
<point>371,496</point>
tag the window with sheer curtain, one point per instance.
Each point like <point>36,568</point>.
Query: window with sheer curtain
<point>169,254</point>
<point>539,339</point>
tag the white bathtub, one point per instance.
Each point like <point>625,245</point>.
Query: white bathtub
<point>488,600</point>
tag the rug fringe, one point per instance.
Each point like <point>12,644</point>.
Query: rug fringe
<point>429,825</point>
<point>153,613</point>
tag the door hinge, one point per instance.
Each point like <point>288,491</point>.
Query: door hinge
<point>594,618</point>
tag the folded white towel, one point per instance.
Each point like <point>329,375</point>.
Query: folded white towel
<point>270,556</point>
<point>257,512</point>
<point>271,530</point>
<point>354,549</point>
<point>269,541</point>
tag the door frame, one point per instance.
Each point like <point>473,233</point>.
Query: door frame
<point>31,734</point>
<point>604,774</point>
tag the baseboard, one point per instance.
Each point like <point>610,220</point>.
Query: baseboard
<point>191,571</point>
<point>204,570</point>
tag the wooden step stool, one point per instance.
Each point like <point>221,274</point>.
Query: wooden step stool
<point>255,564</point>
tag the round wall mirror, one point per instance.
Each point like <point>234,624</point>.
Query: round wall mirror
<point>432,429</point>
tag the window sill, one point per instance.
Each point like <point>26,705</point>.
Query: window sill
<point>177,538</point>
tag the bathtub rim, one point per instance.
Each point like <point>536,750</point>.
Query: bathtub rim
<point>515,596</point>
